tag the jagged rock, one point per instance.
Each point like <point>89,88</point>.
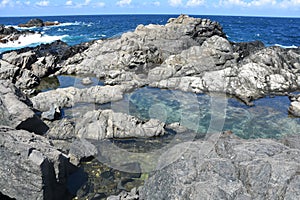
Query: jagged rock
<point>17,110</point>
<point>233,169</point>
<point>104,124</point>
<point>271,70</point>
<point>10,34</point>
<point>25,67</point>
<point>31,168</point>
<point>145,48</point>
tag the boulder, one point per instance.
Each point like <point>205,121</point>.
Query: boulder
<point>31,167</point>
<point>105,124</point>
<point>17,110</point>
<point>233,169</point>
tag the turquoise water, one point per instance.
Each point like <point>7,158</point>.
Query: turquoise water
<point>268,118</point>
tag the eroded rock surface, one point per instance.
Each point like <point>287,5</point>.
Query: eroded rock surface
<point>233,169</point>
<point>16,110</point>
<point>31,167</point>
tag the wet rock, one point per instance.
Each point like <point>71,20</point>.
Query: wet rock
<point>10,34</point>
<point>25,67</point>
<point>104,124</point>
<point>233,169</point>
<point>31,168</point>
<point>18,111</point>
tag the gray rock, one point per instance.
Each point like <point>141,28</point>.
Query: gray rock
<point>54,113</point>
<point>31,168</point>
<point>233,169</point>
<point>294,108</point>
<point>68,97</point>
<point>17,111</point>
<point>145,48</point>
<point>104,124</point>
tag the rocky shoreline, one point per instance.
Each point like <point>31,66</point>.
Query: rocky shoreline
<point>40,154</point>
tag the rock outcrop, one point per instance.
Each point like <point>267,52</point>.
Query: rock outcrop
<point>201,60</point>
<point>25,67</point>
<point>10,34</point>
<point>31,167</point>
<point>38,23</point>
<point>233,169</point>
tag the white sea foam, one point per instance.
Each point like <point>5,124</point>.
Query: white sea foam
<point>287,47</point>
<point>30,40</point>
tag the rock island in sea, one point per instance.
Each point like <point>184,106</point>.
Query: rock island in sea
<point>40,157</point>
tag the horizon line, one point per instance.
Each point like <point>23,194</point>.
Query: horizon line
<point>191,14</point>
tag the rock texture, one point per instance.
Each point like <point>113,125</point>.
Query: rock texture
<point>234,169</point>
<point>104,124</point>
<point>25,67</point>
<point>146,47</point>
<point>201,60</point>
<point>16,110</point>
<point>31,167</point>
<point>68,97</point>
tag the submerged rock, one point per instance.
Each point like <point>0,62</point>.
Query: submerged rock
<point>31,167</point>
<point>234,169</point>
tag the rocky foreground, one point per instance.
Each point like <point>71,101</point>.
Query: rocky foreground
<point>39,154</point>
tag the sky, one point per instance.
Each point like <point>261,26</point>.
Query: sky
<point>279,8</point>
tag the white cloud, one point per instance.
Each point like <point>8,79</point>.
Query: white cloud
<point>175,3</point>
<point>194,3</point>
<point>233,3</point>
<point>100,4</point>
<point>69,3</point>
<point>5,3</point>
<point>124,2</point>
<point>156,3</point>
<point>290,4</point>
<point>42,3</point>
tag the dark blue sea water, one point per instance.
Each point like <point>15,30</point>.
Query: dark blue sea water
<point>76,29</point>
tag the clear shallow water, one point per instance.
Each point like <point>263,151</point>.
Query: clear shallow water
<point>77,29</point>
<point>267,119</point>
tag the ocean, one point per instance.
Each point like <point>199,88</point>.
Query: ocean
<point>73,30</point>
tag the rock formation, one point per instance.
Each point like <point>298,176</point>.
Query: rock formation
<point>233,169</point>
<point>38,23</point>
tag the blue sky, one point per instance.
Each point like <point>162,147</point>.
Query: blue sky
<point>199,7</point>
